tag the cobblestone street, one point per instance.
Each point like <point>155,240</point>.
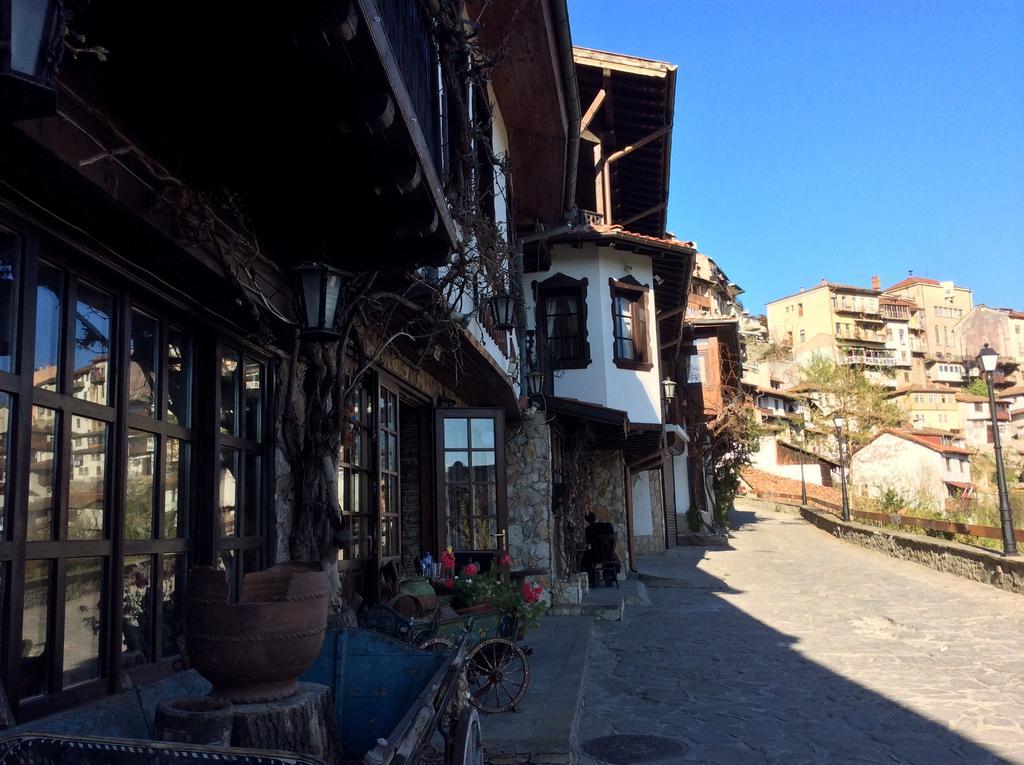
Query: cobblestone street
<point>793,647</point>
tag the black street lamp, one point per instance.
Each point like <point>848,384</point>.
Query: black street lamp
<point>839,422</point>
<point>803,454</point>
<point>534,373</point>
<point>988,360</point>
<point>502,310</point>
<point>31,47</point>
<point>320,294</point>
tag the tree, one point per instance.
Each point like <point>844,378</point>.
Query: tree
<point>977,387</point>
<point>838,389</point>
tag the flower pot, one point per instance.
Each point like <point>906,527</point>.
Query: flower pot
<point>255,650</point>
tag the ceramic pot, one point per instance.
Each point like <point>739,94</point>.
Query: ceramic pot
<point>255,650</point>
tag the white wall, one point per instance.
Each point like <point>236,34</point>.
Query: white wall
<point>682,488</point>
<point>766,459</point>
<point>635,392</point>
<point>892,462</point>
<point>643,520</point>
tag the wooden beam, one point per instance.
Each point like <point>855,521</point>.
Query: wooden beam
<point>649,211</point>
<point>592,109</point>
<point>662,315</point>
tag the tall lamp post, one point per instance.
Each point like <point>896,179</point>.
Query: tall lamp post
<point>839,422</point>
<point>803,454</point>
<point>988,359</point>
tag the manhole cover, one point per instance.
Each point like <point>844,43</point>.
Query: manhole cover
<point>626,749</point>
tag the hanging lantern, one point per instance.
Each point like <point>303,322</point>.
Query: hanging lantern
<point>320,292</point>
<point>31,47</point>
<point>534,382</point>
<point>503,311</point>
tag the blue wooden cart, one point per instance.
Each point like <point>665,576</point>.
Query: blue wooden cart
<point>390,698</point>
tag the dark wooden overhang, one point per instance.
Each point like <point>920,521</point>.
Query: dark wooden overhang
<point>634,101</point>
<point>611,427</point>
<point>309,115</point>
<point>534,80</point>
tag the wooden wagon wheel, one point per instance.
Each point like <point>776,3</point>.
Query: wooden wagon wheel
<point>468,747</point>
<point>437,645</point>
<point>498,674</point>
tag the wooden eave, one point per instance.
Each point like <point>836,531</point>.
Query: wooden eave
<point>529,86</point>
<point>640,102</point>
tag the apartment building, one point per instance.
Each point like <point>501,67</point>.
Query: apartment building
<point>941,305</point>
<point>712,294</point>
<point>929,406</point>
<point>848,324</point>
<point>1003,330</point>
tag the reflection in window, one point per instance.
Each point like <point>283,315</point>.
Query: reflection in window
<point>253,400</point>
<point>228,491</point>
<point>140,492</point>
<point>226,562</point>
<point>136,611</point>
<point>144,365</point>
<point>230,370</point>
<point>470,478</point>
<point>49,318</point>
<point>172,625</point>
<point>5,440</point>
<point>9,277</point>
<point>562,322</point>
<point>33,669</point>
<point>179,377</point>
<point>83,621</point>
<point>86,493</point>
<point>92,345</point>
<point>42,474</point>
<point>176,461</point>
<point>251,499</point>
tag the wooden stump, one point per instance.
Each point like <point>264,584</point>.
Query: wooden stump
<point>303,723</point>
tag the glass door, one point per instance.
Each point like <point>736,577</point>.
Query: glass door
<point>473,518</point>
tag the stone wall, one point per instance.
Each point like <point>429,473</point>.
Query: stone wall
<point>949,557</point>
<point>606,497</point>
<point>528,472</point>
<point>653,543</point>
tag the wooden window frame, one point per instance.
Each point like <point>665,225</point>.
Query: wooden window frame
<point>556,285</point>
<point>500,481</point>
<point>636,293</point>
<point>35,244</point>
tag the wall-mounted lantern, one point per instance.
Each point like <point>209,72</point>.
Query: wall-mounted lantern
<point>502,310</point>
<point>321,294</point>
<point>31,46</point>
<point>668,389</point>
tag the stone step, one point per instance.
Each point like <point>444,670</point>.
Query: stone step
<point>609,603</point>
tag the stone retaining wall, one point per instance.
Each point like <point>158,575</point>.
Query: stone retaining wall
<point>949,557</point>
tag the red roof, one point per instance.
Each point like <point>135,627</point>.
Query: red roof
<point>765,483</point>
<point>912,280</point>
<point>593,231</point>
<point>922,441</point>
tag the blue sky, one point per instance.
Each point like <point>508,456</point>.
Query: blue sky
<point>825,139</point>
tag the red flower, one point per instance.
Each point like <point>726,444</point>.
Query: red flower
<point>449,584</point>
<point>532,592</point>
<point>447,560</point>
<point>471,569</point>
<point>506,559</point>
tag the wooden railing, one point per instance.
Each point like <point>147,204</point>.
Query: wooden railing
<point>898,519</point>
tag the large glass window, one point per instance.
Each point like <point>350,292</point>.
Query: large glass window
<point>97,386</point>
<point>242,443</point>
<point>471,478</point>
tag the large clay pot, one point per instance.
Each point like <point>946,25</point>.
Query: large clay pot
<point>255,650</point>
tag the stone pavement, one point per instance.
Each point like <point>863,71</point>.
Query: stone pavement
<point>542,731</point>
<point>793,647</point>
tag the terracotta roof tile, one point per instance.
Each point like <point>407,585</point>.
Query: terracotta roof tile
<point>765,483</point>
<point>918,439</point>
<point>912,280</point>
